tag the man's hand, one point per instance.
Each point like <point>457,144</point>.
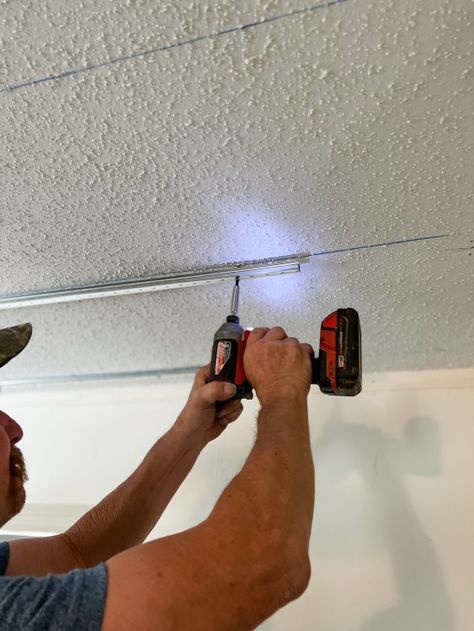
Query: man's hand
<point>275,363</point>
<point>202,413</point>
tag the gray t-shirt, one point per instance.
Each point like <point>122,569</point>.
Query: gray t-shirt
<point>64,602</point>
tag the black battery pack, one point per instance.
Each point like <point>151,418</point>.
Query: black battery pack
<point>338,370</point>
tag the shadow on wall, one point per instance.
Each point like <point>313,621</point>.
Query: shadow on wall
<point>423,600</point>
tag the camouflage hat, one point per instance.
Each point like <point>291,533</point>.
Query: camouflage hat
<point>13,340</point>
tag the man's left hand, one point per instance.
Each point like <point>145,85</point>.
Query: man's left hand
<point>208,410</point>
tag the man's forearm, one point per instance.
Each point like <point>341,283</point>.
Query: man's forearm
<point>272,498</point>
<point>247,559</point>
<point>277,479</point>
<point>127,515</point>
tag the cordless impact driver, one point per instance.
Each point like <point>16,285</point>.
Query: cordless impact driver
<point>337,370</point>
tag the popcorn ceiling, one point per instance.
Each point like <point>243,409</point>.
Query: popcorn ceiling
<point>338,127</point>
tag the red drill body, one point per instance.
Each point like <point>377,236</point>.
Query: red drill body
<point>337,370</point>
<point>227,362</point>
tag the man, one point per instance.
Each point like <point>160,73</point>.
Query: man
<point>231,572</point>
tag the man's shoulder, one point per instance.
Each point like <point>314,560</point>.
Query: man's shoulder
<point>74,601</point>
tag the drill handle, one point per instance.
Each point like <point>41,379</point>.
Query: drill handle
<point>227,364</point>
<point>315,367</point>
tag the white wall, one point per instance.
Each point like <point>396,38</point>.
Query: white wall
<point>392,546</point>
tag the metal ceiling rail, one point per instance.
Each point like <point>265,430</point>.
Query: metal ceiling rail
<point>98,377</point>
<point>208,276</point>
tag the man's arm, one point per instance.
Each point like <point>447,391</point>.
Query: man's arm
<point>248,559</point>
<point>121,520</point>
<point>126,516</point>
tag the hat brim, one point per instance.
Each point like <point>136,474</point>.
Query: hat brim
<point>13,340</point>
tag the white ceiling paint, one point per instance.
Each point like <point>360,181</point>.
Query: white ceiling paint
<point>58,36</point>
<point>344,125</point>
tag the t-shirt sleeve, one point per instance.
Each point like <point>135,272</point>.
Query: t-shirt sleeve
<point>64,602</point>
<point>4,556</point>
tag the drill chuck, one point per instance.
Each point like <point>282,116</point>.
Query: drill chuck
<point>234,305</point>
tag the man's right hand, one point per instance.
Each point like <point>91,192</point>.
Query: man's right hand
<point>276,364</point>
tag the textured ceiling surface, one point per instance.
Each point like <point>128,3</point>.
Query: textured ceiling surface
<point>141,138</point>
